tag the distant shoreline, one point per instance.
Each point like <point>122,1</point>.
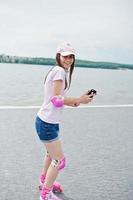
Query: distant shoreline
<point>50,61</point>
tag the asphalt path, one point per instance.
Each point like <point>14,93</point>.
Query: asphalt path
<point>98,144</point>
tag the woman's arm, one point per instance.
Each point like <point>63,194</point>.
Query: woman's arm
<point>57,87</point>
<point>69,101</point>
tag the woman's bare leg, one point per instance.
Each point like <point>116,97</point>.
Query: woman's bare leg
<point>56,153</point>
<point>47,162</point>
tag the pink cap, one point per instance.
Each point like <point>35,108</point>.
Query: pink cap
<point>65,49</point>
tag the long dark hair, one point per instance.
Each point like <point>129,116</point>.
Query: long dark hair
<point>67,84</point>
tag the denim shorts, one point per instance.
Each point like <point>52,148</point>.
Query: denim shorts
<point>47,132</point>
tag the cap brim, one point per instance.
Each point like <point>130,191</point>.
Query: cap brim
<point>66,53</point>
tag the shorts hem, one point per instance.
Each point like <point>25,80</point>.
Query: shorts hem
<point>52,140</point>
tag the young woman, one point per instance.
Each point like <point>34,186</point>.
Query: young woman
<point>57,82</point>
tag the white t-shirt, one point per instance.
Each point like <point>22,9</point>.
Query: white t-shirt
<point>48,112</point>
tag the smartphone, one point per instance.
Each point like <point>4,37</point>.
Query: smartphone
<point>92,91</point>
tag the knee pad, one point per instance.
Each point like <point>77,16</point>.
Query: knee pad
<point>59,164</point>
<point>62,163</point>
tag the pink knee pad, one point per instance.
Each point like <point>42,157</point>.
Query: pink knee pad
<point>62,163</point>
<point>58,101</point>
<point>59,164</point>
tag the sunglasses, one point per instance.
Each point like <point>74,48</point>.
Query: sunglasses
<point>69,56</point>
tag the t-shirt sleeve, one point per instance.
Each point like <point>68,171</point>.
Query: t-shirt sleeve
<point>59,75</point>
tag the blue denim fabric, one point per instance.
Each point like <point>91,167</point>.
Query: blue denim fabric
<point>46,131</point>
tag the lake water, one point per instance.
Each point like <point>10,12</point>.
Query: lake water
<point>23,84</point>
<point>103,146</point>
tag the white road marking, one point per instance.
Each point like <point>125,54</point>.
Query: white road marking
<point>85,106</point>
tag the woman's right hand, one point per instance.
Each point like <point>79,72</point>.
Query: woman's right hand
<point>84,99</point>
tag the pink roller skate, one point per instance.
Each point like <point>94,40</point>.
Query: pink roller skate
<point>47,194</point>
<point>56,186</point>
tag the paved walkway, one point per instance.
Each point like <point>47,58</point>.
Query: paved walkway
<point>98,144</point>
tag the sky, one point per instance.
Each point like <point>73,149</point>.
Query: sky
<point>99,30</point>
